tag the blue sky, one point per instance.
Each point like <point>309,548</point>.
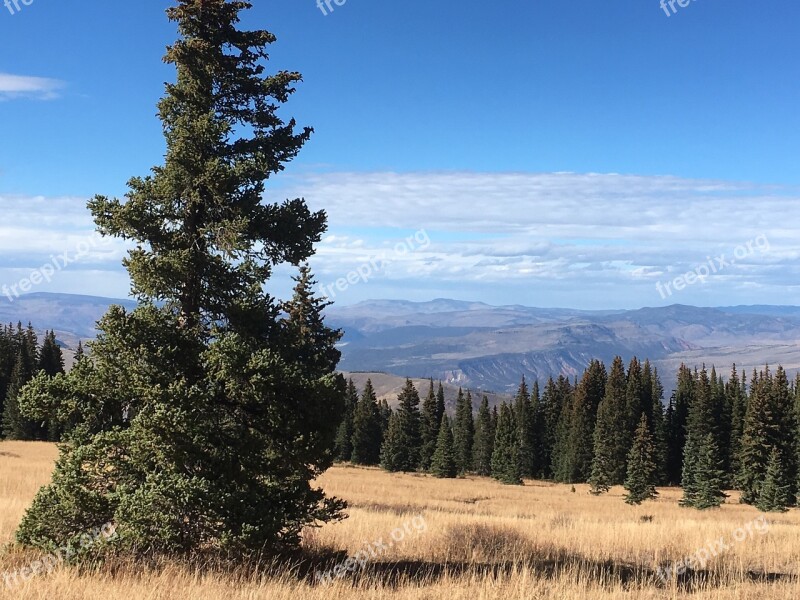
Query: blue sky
<point>555,153</point>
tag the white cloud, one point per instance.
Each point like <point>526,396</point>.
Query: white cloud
<point>582,240</point>
<point>15,86</point>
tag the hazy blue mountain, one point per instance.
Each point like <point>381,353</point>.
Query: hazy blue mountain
<point>485,347</point>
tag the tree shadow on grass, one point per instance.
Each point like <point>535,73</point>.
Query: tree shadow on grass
<point>608,573</point>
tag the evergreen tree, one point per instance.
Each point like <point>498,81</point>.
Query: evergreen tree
<point>15,424</point>
<point>79,353</point>
<point>757,440</point>
<point>770,427</point>
<point>400,451</point>
<point>775,494</point>
<point>737,399</point>
<point>385,412</point>
<point>657,423</point>
<point>367,431</point>
<point>703,474</point>
<point>463,432</point>
<point>524,419</point>
<point>443,463</point>
<point>642,470</point>
<point>609,465</point>
<point>676,421</point>
<point>574,462</point>
<point>205,414</point>
<point>484,440</point>
<point>505,457</point>
<point>51,359</point>
<point>537,431</point>
<point>635,403</point>
<point>430,429</point>
<point>703,478</point>
<point>439,403</point>
<point>344,435</point>
<point>603,474</point>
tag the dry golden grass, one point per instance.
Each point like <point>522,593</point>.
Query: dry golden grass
<point>481,540</point>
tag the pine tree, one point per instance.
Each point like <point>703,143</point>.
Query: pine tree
<point>484,440</point>
<point>642,470</point>
<point>344,435</point>
<point>367,432</point>
<point>443,463</point>
<point>205,414</point>
<point>505,458</point>
<point>400,451</point>
<point>463,432</point>
<point>430,429</point>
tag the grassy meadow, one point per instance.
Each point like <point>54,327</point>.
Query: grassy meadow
<point>458,539</point>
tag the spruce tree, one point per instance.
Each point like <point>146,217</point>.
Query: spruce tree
<point>400,451</point>
<point>635,402</point>
<point>439,403</point>
<point>344,435</point>
<point>755,447</point>
<point>640,482</point>
<point>206,413</point>
<point>604,461</point>
<point>676,420</point>
<point>703,478</point>
<point>575,460</point>
<point>703,474</point>
<point>524,419</point>
<point>443,462</point>
<point>463,432</point>
<point>430,428</point>
<point>537,431</point>
<point>484,440</point>
<point>51,359</point>
<point>506,467</point>
<point>737,399</point>
<point>15,424</point>
<point>775,494</point>
<point>609,465</point>
<point>367,432</point>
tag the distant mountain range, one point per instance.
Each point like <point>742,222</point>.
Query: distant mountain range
<point>492,347</point>
<point>485,347</point>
